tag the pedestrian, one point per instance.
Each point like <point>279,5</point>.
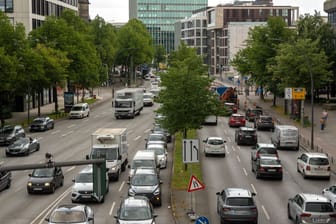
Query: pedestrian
<point>323,119</point>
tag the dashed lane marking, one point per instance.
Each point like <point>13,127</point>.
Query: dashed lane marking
<point>148,130</point>
<point>55,132</point>
<point>265,211</point>
<point>135,139</point>
<point>71,126</point>
<point>121,186</point>
<point>238,158</point>
<point>254,190</point>
<point>245,172</point>
<point>68,133</point>
<point>112,207</point>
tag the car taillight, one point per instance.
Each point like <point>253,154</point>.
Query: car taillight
<point>332,215</point>
<point>255,136</point>
<point>307,167</point>
<point>280,169</point>
<point>261,169</point>
<point>257,154</point>
<point>305,215</point>
<point>254,209</point>
<point>226,209</point>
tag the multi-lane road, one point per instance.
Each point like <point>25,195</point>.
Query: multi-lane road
<point>70,141</point>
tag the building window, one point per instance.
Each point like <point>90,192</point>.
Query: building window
<point>6,6</point>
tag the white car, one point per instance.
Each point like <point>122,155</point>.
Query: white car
<point>161,154</point>
<point>215,146</point>
<point>314,164</point>
<point>80,110</point>
<point>330,193</point>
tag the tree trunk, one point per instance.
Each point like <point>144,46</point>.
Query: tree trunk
<point>39,103</point>
<point>185,137</point>
<point>55,97</point>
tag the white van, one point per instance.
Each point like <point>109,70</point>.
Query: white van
<point>143,159</point>
<point>286,136</point>
<point>79,110</point>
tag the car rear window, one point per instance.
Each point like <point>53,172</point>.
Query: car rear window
<point>249,132</point>
<point>319,207</point>
<point>215,142</point>
<point>240,201</point>
<point>319,161</point>
<point>268,151</point>
<point>270,161</point>
<point>290,133</point>
<point>266,119</point>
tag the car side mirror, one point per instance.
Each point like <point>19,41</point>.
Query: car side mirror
<point>46,219</point>
<point>115,216</point>
<point>254,194</point>
<point>128,182</point>
<point>218,193</point>
<point>73,180</point>
<point>224,141</point>
<point>204,141</point>
<point>254,147</point>
<point>107,169</point>
<point>161,182</point>
<point>129,166</point>
<point>29,175</point>
<point>155,215</point>
<point>119,157</point>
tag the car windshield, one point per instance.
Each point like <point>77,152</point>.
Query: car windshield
<point>145,180</point>
<point>135,213</point>
<point>240,201</point>
<point>67,217</point>
<point>126,104</point>
<point>215,142</point>
<point>158,150</point>
<point>84,178</point>
<point>142,163</point>
<point>38,121</point>
<point>43,172</point>
<point>148,96</point>
<point>156,138</point>
<point>319,161</point>
<point>76,108</point>
<point>7,130</point>
<point>319,207</point>
<point>101,153</point>
<point>20,141</point>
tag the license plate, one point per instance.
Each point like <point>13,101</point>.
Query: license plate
<point>248,136</point>
<point>319,220</point>
<point>272,170</point>
<point>86,196</point>
<point>38,188</point>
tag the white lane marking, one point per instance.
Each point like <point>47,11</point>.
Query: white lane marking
<point>266,214</point>
<point>1,162</point>
<point>86,120</point>
<point>148,130</point>
<point>245,171</point>
<point>96,116</point>
<point>39,138</point>
<point>238,158</point>
<point>71,126</point>
<point>68,133</point>
<point>238,147</point>
<point>229,139</point>
<point>254,190</point>
<point>53,205</point>
<point>121,186</point>
<point>131,131</point>
<point>227,151</point>
<point>137,138</point>
<point>112,207</point>
<point>55,132</point>
<point>233,148</point>
<point>71,168</point>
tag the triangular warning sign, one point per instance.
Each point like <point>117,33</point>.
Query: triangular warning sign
<point>195,184</point>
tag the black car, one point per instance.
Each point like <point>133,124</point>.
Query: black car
<point>10,133</point>
<point>264,122</point>
<point>45,180</point>
<point>252,113</point>
<point>71,213</point>
<point>160,130</point>
<point>42,124</point>
<point>246,136</point>
<point>266,166</point>
<point>146,182</point>
<point>23,146</point>
<point>5,180</point>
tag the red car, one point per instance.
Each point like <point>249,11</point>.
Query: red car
<point>237,120</point>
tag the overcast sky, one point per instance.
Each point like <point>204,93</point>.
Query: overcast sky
<point>117,10</point>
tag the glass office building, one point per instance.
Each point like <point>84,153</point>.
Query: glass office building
<point>160,16</point>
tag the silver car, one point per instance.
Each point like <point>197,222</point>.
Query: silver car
<point>237,205</point>
<point>72,213</point>
<point>161,154</point>
<point>310,208</point>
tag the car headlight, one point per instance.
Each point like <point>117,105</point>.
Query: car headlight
<point>9,137</point>
<point>157,191</point>
<point>29,184</point>
<point>47,184</point>
<point>114,168</point>
<point>131,192</point>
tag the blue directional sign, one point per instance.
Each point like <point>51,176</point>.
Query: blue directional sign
<point>202,220</point>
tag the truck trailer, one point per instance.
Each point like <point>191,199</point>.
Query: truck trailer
<point>128,102</point>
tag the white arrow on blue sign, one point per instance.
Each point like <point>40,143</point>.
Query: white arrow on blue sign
<point>202,220</point>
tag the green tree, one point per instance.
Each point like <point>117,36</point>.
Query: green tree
<point>135,45</point>
<point>262,45</point>
<point>159,55</point>
<point>299,61</point>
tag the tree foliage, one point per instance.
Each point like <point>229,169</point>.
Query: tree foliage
<point>186,99</point>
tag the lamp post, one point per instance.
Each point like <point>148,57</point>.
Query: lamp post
<point>312,108</point>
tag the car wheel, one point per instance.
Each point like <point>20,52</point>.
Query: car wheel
<point>257,174</point>
<point>123,166</point>
<point>118,175</point>
<point>62,183</point>
<point>221,221</point>
<point>288,213</point>
<point>304,175</point>
<point>102,200</point>
<point>8,184</point>
<point>52,126</point>
<point>38,147</point>
<point>238,142</point>
<point>206,154</point>
<point>297,221</point>
<point>52,188</point>
<point>88,114</point>
<point>26,153</point>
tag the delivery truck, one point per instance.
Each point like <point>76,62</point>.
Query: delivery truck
<point>128,102</point>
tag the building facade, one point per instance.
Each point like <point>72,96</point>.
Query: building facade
<point>160,16</point>
<point>32,13</point>
<point>330,8</point>
<point>220,17</point>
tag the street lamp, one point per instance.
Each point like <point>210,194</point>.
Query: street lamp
<point>312,107</point>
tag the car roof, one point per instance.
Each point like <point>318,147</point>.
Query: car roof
<point>308,197</point>
<point>265,145</point>
<point>247,129</point>
<point>70,207</point>
<point>145,170</point>
<point>237,115</point>
<point>155,145</point>
<point>215,138</point>
<point>87,169</point>
<point>316,154</point>
<point>237,192</point>
<point>268,157</point>
<point>80,104</point>
<point>286,127</point>
<point>136,201</point>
